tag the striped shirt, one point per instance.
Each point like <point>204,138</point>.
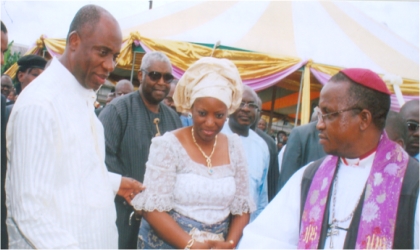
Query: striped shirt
<point>59,193</point>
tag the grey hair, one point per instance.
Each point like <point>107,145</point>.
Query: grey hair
<point>122,83</point>
<point>151,57</point>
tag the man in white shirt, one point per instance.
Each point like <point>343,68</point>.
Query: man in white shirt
<point>362,195</point>
<point>256,149</point>
<point>59,193</point>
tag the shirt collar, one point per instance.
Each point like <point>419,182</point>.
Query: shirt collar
<point>367,160</point>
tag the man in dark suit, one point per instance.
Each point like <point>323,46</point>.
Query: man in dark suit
<point>130,122</point>
<point>302,147</point>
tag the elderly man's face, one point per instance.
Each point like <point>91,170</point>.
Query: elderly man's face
<point>4,42</point>
<point>154,91</point>
<point>338,132</point>
<point>95,52</point>
<point>246,114</point>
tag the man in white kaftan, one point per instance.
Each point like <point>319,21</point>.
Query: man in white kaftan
<point>256,149</point>
<point>59,193</point>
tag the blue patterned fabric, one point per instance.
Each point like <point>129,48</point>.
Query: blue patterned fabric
<point>148,239</point>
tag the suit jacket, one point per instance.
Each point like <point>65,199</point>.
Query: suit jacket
<point>302,147</point>
<point>273,169</point>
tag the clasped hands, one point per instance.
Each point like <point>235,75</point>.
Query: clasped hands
<point>129,188</point>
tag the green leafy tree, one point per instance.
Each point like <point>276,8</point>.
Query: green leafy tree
<point>9,58</point>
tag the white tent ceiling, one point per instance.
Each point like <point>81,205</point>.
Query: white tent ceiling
<point>328,32</point>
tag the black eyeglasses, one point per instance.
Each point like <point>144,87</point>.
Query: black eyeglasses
<point>412,126</point>
<point>329,116</point>
<point>250,105</point>
<point>155,76</point>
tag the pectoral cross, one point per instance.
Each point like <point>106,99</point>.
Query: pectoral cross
<point>332,231</point>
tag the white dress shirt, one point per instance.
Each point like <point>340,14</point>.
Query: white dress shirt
<point>59,193</point>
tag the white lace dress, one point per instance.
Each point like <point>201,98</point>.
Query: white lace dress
<point>174,182</point>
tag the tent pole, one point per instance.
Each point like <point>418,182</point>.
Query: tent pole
<point>132,67</point>
<point>273,100</point>
<point>299,97</point>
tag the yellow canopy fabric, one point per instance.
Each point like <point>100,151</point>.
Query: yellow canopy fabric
<point>251,65</point>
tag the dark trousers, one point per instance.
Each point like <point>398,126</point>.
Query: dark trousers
<point>127,234</point>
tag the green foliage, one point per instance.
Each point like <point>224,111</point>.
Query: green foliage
<point>9,58</point>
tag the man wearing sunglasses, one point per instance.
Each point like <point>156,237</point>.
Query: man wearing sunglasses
<point>130,123</point>
<point>410,112</point>
<point>362,195</point>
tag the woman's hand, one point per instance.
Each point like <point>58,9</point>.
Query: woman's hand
<point>217,244</point>
<point>201,245</point>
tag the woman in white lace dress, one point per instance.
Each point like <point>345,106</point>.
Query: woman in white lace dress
<point>197,193</point>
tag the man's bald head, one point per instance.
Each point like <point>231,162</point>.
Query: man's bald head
<point>410,107</point>
<point>86,19</point>
<point>396,128</point>
<point>123,87</point>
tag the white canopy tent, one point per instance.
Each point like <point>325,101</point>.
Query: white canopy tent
<point>327,32</point>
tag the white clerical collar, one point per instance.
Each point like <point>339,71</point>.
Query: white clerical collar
<point>359,162</point>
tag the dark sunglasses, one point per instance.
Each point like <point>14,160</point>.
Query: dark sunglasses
<point>155,76</point>
<point>412,126</point>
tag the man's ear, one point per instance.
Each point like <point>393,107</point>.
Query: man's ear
<point>400,142</point>
<point>20,74</point>
<point>140,76</point>
<point>74,40</point>
<point>365,119</point>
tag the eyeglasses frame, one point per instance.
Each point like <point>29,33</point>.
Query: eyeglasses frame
<point>246,104</point>
<point>321,116</point>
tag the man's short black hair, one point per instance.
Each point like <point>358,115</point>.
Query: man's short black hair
<point>3,28</point>
<point>88,15</point>
<point>362,97</point>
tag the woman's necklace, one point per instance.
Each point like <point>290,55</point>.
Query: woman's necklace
<point>208,158</point>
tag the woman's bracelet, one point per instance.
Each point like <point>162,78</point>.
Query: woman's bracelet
<point>189,244</point>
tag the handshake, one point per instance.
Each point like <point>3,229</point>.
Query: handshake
<point>129,188</point>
